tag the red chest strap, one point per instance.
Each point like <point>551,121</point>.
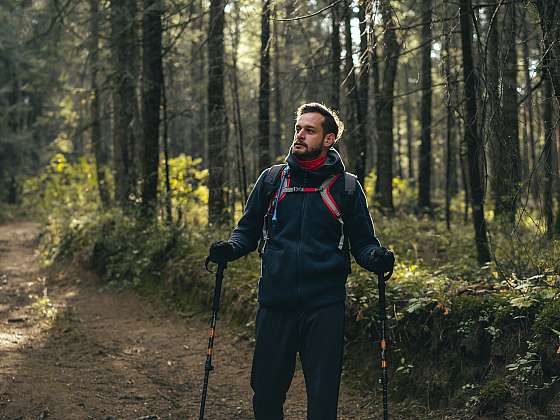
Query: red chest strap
<point>328,199</point>
<point>324,190</point>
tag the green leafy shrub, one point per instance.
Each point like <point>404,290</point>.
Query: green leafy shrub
<point>494,394</point>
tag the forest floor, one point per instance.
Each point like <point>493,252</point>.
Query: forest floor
<point>72,349</point>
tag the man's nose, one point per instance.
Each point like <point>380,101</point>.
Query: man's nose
<point>299,134</point>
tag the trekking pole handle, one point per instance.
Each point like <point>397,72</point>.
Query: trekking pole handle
<point>218,287</point>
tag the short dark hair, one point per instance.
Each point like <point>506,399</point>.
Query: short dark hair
<point>332,124</point>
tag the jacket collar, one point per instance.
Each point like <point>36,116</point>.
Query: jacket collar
<point>332,165</point>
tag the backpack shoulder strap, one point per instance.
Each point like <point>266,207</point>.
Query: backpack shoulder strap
<point>270,187</point>
<point>350,181</point>
<point>271,178</point>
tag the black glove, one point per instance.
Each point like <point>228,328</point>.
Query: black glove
<point>381,260</point>
<point>221,251</point>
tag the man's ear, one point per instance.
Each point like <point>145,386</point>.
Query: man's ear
<point>329,140</point>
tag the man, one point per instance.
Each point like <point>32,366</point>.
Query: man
<point>305,245</point>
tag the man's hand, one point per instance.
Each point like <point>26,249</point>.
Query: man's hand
<point>382,260</point>
<point>221,251</point>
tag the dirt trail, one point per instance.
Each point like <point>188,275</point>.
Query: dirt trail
<point>70,349</point>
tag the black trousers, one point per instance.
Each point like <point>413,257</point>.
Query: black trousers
<point>318,336</point>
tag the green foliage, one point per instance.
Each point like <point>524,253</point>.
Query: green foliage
<point>62,190</point>
<point>189,193</point>
<point>493,396</point>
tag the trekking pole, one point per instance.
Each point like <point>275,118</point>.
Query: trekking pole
<point>381,279</point>
<point>215,308</point>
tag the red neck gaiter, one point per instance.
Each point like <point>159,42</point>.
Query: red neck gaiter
<point>313,164</point>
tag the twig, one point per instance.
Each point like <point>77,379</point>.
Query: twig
<point>309,15</point>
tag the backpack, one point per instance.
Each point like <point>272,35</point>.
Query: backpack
<point>275,191</point>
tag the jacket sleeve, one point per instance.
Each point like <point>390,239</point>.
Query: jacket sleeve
<point>360,230</point>
<point>245,237</point>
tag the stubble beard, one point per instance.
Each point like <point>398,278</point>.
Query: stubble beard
<point>309,154</point>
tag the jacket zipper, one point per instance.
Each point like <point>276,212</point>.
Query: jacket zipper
<point>300,266</point>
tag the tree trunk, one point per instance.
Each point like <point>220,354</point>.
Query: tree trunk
<point>95,111</point>
<point>549,13</point>
<point>335,54</point>
<point>374,93</point>
<point>425,164</point>
<point>217,212</point>
<point>451,187</point>
<point>362,94</point>
<point>409,131</point>
<point>264,89</point>
<point>124,98</point>
<point>474,144</point>
<point>529,127</point>
<point>384,109</point>
<point>278,137</point>
<point>504,138</point>
<point>168,203</point>
<point>351,141</point>
<point>196,139</point>
<point>495,119</point>
<point>152,75</point>
<point>510,115</point>
<point>242,170</point>
<point>398,157</point>
<point>548,112</point>
<point>464,170</point>
<point>135,99</point>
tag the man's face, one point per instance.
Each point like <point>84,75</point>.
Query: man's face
<point>309,139</point>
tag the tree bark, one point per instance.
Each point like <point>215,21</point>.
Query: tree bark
<point>547,116</point>
<point>152,78</point>
<point>362,94</point>
<point>398,157</point>
<point>335,53</point>
<point>242,170</point>
<point>529,125</point>
<point>510,114</point>
<point>95,111</point>
<point>278,137</point>
<point>548,112</point>
<point>451,184</point>
<point>124,98</point>
<point>264,89</point>
<point>409,130</point>
<point>504,138</point>
<point>216,131</point>
<point>549,13</point>
<point>472,139</point>
<point>168,203</point>
<point>384,110</point>
<point>373,93</point>
<point>351,140</point>
<point>425,163</point>
<point>495,120</point>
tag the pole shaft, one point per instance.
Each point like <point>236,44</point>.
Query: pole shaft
<point>383,343</point>
<point>208,365</point>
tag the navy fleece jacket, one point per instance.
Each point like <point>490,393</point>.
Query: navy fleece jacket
<point>301,264</point>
